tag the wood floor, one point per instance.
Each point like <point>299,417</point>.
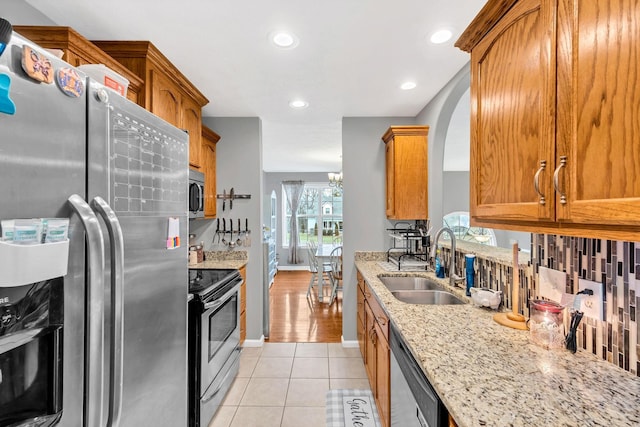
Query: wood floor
<point>295,318</point>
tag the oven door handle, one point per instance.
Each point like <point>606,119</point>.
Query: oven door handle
<point>219,301</point>
<point>208,397</point>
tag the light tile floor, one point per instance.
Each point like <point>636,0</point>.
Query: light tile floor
<point>284,384</point>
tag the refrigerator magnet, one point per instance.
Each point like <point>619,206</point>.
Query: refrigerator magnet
<point>36,65</point>
<point>70,82</point>
<point>6,104</point>
<point>6,29</point>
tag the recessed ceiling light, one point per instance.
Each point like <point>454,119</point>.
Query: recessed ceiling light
<point>441,36</point>
<point>298,104</point>
<point>408,86</point>
<point>284,39</point>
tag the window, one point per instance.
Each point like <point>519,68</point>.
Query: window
<point>459,223</point>
<point>319,214</point>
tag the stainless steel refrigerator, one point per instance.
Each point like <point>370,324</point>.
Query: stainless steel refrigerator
<point>120,174</point>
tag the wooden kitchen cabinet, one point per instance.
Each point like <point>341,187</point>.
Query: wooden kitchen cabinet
<point>370,360</point>
<point>383,376</point>
<point>77,50</point>
<point>167,92</point>
<point>406,160</point>
<point>209,142</point>
<point>554,120</point>
<point>374,323</point>
<point>191,121</point>
<point>166,100</point>
<point>243,305</point>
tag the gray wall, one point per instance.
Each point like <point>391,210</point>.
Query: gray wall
<point>365,221</point>
<point>273,182</point>
<point>437,114</point>
<point>239,165</point>
<point>19,12</point>
<point>455,191</point>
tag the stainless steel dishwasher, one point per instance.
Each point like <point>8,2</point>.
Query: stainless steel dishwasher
<point>414,403</point>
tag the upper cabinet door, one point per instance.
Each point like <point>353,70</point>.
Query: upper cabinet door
<point>407,174</point>
<point>209,140</point>
<point>192,122</point>
<point>599,111</point>
<point>390,174</point>
<point>165,98</point>
<point>513,116</point>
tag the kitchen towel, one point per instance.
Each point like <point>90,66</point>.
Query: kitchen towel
<point>351,407</point>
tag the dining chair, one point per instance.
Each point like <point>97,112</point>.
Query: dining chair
<point>337,240</point>
<point>313,245</point>
<point>335,259</point>
<point>313,268</point>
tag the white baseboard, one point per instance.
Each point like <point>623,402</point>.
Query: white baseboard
<point>349,344</point>
<point>260,343</point>
<point>254,343</point>
<point>293,267</point>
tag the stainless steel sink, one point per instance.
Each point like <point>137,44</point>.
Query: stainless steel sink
<point>402,283</point>
<point>427,297</point>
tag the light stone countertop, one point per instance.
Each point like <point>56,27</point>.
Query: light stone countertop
<point>490,375</point>
<point>216,260</point>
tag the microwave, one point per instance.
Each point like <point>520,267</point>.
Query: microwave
<point>196,194</point>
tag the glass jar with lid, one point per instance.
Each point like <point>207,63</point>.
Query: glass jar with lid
<point>546,324</point>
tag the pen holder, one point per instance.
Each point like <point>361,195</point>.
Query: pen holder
<point>470,260</point>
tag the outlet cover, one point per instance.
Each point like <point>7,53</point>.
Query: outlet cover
<point>552,283</point>
<point>592,305</point>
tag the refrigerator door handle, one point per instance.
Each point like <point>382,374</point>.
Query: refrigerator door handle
<point>94,346</point>
<point>117,308</point>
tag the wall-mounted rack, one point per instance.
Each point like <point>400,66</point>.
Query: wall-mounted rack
<point>235,196</point>
<point>231,196</point>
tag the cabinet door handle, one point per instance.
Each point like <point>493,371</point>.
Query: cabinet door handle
<point>536,181</point>
<point>556,185</point>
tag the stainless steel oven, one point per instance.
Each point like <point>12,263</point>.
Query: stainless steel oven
<point>214,340</point>
<point>31,354</point>
<point>196,194</point>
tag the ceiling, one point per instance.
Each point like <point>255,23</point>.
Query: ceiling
<point>350,61</point>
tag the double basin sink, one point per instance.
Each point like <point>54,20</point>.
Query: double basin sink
<point>419,290</point>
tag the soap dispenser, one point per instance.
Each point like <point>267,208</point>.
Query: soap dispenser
<point>439,268</point>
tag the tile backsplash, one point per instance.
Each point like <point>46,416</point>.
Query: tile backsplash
<point>616,264</point>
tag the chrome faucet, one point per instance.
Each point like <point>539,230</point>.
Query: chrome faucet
<point>453,278</point>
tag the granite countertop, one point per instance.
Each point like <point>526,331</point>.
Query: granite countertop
<point>216,260</point>
<point>490,375</point>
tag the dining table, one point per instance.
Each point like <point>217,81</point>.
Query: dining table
<point>323,253</point>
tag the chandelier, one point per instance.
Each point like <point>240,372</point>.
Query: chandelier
<point>335,179</point>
